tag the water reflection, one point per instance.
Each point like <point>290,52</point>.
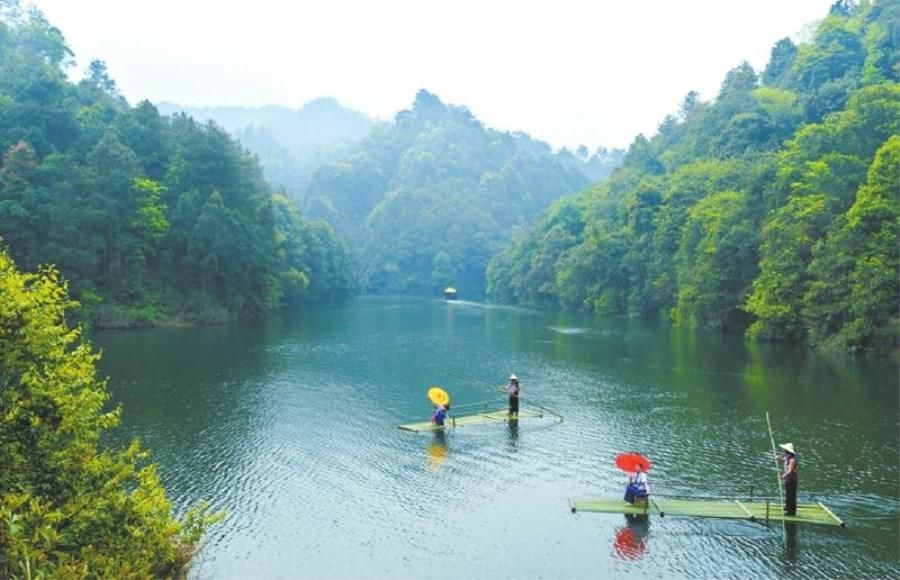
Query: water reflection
<point>631,539</point>
<point>437,451</point>
<point>790,547</point>
<point>512,431</point>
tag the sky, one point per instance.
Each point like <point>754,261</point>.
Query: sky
<point>569,72</point>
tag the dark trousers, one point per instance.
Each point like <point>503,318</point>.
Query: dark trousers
<point>790,495</point>
<point>634,492</point>
<point>513,405</point>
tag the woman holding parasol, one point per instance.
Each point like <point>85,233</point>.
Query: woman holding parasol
<point>441,401</point>
<point>638,487</point>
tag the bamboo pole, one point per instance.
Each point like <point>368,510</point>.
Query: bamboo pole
<point>662,514</point>
<point>831,513</point>
<point>502,389</point>
<point>482,404</point>
<point>777,476</point>
<point>750,516</point>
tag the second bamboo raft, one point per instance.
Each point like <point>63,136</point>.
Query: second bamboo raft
<point>816,513</point>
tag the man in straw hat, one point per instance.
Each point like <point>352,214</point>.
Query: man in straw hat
<point>514,390</point>
<point>789,477</point>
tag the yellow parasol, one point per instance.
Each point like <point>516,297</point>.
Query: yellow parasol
<point>438,396</point>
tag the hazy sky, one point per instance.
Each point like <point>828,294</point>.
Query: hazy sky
<point>568,72</point>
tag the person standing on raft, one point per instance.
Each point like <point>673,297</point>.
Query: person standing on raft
<point>790,479</point>
<point>514,390</point>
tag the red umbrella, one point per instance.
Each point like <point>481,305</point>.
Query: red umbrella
<point>629,461</point>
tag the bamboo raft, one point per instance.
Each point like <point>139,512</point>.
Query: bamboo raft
<point>817,513</point>
<point>474,419</point>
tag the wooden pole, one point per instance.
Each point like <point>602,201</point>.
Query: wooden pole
<point>750,516</point>
<point>534,401</point>
<point>777,476</point>
<point>662,514</point>
<point>831,513</point>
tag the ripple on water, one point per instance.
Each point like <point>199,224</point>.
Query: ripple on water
<point>569,330</point>
<point>303,451</point>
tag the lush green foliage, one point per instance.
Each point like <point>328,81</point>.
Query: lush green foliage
<point>428,199</point>
<point>290,144</point>
<point>772,209</point>
<point>69,508</point>
<point>149,217</point>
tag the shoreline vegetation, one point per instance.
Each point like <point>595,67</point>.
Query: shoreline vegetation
<point>771,210</point>
<point>71,507</point>
<point>150,218</point>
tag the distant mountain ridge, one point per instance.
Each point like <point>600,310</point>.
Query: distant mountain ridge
<point>290,143</point>
<point>425,200</point>
<point>372,180</point>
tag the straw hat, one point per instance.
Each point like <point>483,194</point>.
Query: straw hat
<point>513,378</point>
<point>789,447</point>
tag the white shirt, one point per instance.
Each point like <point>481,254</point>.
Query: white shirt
<point>640,479</point>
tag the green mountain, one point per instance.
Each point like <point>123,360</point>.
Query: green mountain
<point>290,144</point>
<point>772,210</point>
<point>427,199</point>
<point>150,218</point>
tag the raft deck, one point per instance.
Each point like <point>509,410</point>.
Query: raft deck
<point>757,511</point>
<point>474,419</point>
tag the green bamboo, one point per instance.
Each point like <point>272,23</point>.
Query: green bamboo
<point>502,389</point>
<point>777,475</point>
<point>474,419</point>
<point>806,513</point>
<point>831,513</point>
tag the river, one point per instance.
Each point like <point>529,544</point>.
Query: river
<point>290,424</point>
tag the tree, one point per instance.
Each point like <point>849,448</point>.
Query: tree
<point>148,223</point>
<point>70,508</point>
<point>788,239</point>
<point>19,218</point>
<point>855,296</point>
<point>98,77</point>
<point>642,157</point>
<point>689,105</point>
<point>842,7</point>
<point>780,62</point>
<point>717,262</point>
<point>739,80</point>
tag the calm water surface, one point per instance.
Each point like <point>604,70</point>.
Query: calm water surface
<point>291,426</point>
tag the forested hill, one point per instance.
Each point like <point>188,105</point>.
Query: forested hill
<point>290,144</point>
<point>771,210</point>
<point>149,217</point>
<point>427,199</point>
